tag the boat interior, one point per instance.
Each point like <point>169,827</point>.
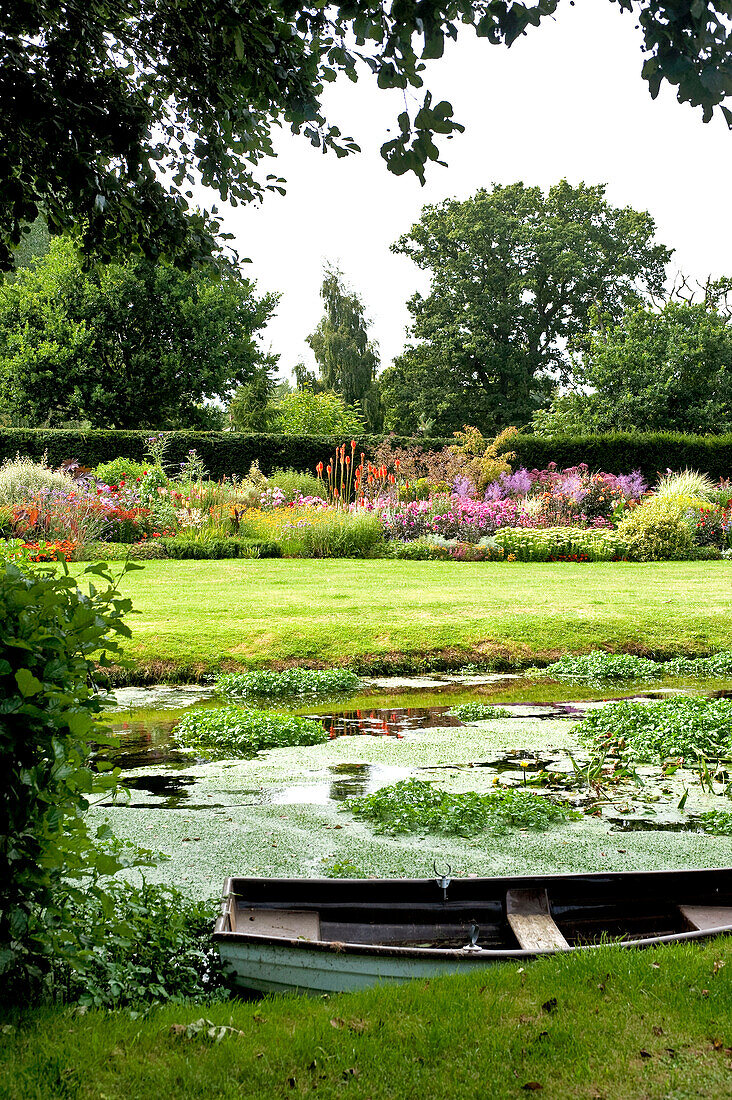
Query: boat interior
<point>479,915</point>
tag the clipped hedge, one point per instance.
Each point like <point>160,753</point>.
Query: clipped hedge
<point>225,454</point>
<point>620,452</point>
<point>232,453</point>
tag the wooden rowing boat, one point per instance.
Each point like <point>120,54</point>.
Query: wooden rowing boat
<point>326,935</point>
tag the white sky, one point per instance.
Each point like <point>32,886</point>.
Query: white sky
<point>566,100</point>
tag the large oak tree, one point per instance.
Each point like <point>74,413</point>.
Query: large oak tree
<point>514,274</point>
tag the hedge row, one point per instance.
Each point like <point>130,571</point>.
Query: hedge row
<point>232,453</point>
<point>652,453</point>
<point>225,454</point>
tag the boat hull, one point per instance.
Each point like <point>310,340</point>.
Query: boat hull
<point>323,936</point>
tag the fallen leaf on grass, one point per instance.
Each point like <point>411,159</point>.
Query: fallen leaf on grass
<point>550,1005</point>
<point>657,1030</point>
<point>532,1086</point>
<point>719,963</point>
<point>645,1054</point>
<point>203,1029</point>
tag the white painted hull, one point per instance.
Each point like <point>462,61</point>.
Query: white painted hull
<point>279,968</point>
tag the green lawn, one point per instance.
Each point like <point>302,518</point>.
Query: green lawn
<point>201,615</point>
<point>607,1025</point>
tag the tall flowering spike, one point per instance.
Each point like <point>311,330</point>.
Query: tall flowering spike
<point>353,444</point>
<point>348,460</point>
<point>319,468</point>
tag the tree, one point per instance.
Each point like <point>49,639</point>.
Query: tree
<point>346,358</point>
<point>656,370</point>
<point>514,274</point>
<point>308,413</point>
<point>109,111</point>
<point>133,345</point>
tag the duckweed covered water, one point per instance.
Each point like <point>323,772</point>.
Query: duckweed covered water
<point>280,813</point>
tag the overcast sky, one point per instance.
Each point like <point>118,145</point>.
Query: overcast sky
<point>567,100</point>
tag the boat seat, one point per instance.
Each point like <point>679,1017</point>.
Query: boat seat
<point>704,917</point>
<point>531,921</point>
<point>286,924</point>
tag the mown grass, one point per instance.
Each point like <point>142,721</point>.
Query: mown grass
<point>616,1025</point>
<point>205,615</point>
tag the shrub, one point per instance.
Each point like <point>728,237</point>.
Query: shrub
<point>156,947</point>
<point>293,485</point>
<point>21,479</point>
<point>561,544</point>
<point>214,549</point>
<point>118,470</point>
<point>233,732</point>
<point>653,732</point>
<point>49,633</point>
<point>305,412</point>
<point>656,531</point>
<point>293,682</point>
<point>478,712</point>
<point>414,806</point>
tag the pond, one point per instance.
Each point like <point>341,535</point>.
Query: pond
<point>283,812</point>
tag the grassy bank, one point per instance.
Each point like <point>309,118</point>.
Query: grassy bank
<point>197,616</point>
<point>618,1025</point>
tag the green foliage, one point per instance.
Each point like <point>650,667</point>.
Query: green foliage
<point>139,945</point>
<point>21,478</point>
<point>719,664</point>
<point>653,370</point>
<point>214,549</point>
<point>599,667</point>
<point>554,543</point>
<point>619,452</point>
<point>232,732</point>
<point>228,454</point>
<point>291,683</point>
<point>478,712</point>
<point>132,104</point>
<point>678,727</point>
<point>413,806</point>
<point>126,345</point>
<point>50,635</point>
<point>545,260</point>
<point>484,460</point>
<point>346,358</point>
<point>292,482</point>
<point>687,483</point>
<point>333,534</point>
<point>715,821</point>
<point>309,413</point>
<point>111,473</point>
<point>656,531</point>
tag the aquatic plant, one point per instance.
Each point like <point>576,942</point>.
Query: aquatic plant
<point>477,712</point>
<point>292,682</point>
<point>600,667</point>
<point>415,806</point>
<point>681,727</point>
<point>716,821</point>
<point>233,732</point>
<point>719,664</point>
